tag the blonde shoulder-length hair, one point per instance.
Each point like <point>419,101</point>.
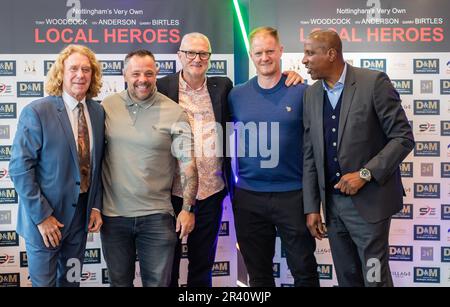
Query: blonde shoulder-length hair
<point>54,83</point>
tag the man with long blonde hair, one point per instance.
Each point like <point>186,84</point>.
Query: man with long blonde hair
<point>55,167</point>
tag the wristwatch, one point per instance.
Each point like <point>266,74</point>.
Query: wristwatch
<point>365,174</point>
<point>188,208</point>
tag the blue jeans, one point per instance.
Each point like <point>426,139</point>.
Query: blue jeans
<point>152,236</point>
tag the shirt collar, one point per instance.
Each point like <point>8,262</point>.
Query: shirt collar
<point>142,104</point>
<point>186,87</point>
<point>71,102</point>
<point>339,83</point>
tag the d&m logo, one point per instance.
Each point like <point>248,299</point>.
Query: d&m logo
<point>6,260</point>
<point>445,169</point>
<point>427,274</point>
<point>427,232</point>
<point>445,212</point>
<point>374,64</point>
<point>9,280</point>
<point>30,89</point>
<point>445,127</point>
<point>224,230</point>
<point>405,214</point>
<point>276,270</point>
<point>426,169</point>
<point>403,86</point>
<point>7,68</point>
<point>426,86</point>
<point>166,67</point>
<point>426,253</point>
<point>427,211</point>
<point>445,253</point>
<point>221,268</point>
<point>9,238</point>
<point>112,68</point>
<point>400,253</point>
<point>427,190</point>
<point>445,87</point>
<point>218,67</point>
<point>92,255</point>
<point>184,250</point>
<point>325,271</point>
<point>8,196</point>
<point>5,152</point>
<point>105,276</point>
<point>8,110</point>
<point>4,132</point>
<point>426,66</point>
<point>5,89</point>
<point>47,66</point>
<point>5,217</point>
<point>23,260</point>
<point>427,149</point>
<point>406,169</point>
<point>426,107</point>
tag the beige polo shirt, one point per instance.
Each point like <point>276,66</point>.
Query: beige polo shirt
<point>138,165</point>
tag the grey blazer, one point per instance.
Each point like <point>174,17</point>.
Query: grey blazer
<point>373,133</point>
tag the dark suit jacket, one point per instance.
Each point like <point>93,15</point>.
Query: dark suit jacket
<point>373,133</point>
<point>44,166</point>
<point>218,88</point>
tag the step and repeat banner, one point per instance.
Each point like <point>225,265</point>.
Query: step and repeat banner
<point>410,41</point>
<point>32,33</point>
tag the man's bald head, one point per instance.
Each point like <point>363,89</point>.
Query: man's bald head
<point>327,39</point>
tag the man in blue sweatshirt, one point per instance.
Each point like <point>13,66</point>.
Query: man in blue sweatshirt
<point>268,195</point>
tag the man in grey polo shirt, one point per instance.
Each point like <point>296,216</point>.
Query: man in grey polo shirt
<point>146,134</point>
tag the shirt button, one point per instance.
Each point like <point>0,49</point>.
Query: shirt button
<point>338,174</point>
<point>335,159</point>
<point>333,117</point>
<point>334,144</point>
<point>334,129</point>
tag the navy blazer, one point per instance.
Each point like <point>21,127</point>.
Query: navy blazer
<point>218,88</point>
<point>44,166</point>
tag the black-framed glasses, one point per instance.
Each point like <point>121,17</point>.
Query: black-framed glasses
<point>192,54</point>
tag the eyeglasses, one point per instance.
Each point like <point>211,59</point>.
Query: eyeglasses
<point>192,55</point>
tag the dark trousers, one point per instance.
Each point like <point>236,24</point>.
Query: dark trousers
<point>258,216</point>
<point>201,242</point>
<point>50,267</point>
<point>360,249</point>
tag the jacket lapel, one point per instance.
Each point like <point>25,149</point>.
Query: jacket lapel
<point>318,115</point>
<point>67,128</point>
<point>215,99</point>
<point>347,99</point>
<point>174,87</point>
<point>95,132</point>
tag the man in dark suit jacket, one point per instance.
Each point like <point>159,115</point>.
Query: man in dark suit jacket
<point>205,101</point>
<point>356,135</point>
<point>55,167</point>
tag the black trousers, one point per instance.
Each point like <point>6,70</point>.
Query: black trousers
<point>258,216</point>
<point>201,242</point>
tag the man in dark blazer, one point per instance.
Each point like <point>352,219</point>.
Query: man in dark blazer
<point>205,100</point>
<point>55,167</point>
<point>356,135</point>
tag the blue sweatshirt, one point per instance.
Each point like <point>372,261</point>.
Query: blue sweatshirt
<point>252,105</point>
